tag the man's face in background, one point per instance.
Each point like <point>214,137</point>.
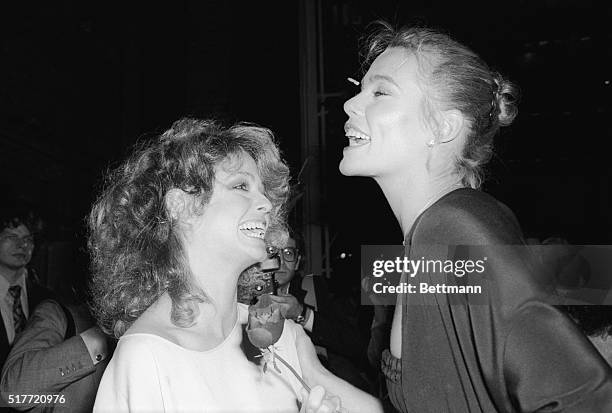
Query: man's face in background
<point>16,246</point>
<point>289,263</point>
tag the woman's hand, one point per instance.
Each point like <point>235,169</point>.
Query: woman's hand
<point>311,366</point>
<point>319,401</point>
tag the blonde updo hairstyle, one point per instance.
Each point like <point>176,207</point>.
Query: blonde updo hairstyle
<point>454,77</point>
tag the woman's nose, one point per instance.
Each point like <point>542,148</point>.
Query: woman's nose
<point>351,106</point>
<point>263,203</point>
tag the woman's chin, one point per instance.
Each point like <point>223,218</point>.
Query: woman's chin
<point>351,168</point>
<point>258,254</point>
<point>255,248</point>
<point>345,168</point>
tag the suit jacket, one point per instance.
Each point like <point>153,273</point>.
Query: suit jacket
<point>44,359</point>
<point>36,293</point>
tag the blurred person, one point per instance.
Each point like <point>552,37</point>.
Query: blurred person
<point>332,320</point>
<point>570,269</point>
<point>252,283</point>
<point>20,289</point>
<point>288,284</point>
<point>571,272</point>
<point>595,321</point>
<point>170,234</point>
<point>258,279</point>
<point>422,127</point>
<point>60,353</point>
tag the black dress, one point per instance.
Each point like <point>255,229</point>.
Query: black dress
<point>504,350</point>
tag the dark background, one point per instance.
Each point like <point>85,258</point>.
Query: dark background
<point>80,82</point>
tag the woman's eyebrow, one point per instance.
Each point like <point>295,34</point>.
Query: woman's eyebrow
<point>378,77</point>
<point>233,174</point>
<point>385,78</point>
<point>252,177</point>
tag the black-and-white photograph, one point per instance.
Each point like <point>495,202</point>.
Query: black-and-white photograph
<point>306,206</point>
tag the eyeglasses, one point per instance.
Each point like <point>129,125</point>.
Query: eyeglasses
<point>289,254</point>
<point>27,241</point>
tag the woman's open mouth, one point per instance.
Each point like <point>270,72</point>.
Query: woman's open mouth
<point>253,229</point>
<point>357,138</point>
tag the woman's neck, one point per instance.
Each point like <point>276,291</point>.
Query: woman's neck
<point>215,317</point>
<point>218,279</point>
<point>218,314</point>
<point>408,198</point>
<point>210,327</point>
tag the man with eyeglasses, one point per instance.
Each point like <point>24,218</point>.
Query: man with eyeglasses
<point>332,326</point>
<point>287,287</point>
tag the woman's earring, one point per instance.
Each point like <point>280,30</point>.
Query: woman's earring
<point>431,143</point>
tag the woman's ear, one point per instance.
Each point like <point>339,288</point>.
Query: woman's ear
<point>176,203</point>
<point>451,125</point>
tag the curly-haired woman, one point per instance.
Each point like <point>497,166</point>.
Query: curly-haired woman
<point>169,236</point>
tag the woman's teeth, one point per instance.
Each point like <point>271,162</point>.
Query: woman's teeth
<point>253,229</point>
<point>357,139</point>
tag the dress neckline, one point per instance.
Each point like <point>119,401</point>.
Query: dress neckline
<point>427,207</point>
<point>202,352</point>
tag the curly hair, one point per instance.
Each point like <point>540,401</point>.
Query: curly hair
<point>134,244</point>
<point>454,77</point>
<point>13,215</point>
